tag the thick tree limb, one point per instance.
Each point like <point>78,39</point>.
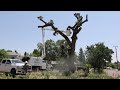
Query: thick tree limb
<point>69,27</point>
<point>56,31</point>
<point>79,29</point>
<point>62,34</point>
<point>43,21</point>
<point>66,38</point>
<point>46,25</point>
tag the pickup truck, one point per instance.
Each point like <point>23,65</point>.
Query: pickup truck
<point>13,66</point>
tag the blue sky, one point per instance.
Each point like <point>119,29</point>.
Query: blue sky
<point>19,29</point>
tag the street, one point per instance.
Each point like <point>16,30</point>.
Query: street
<point>113,72</point>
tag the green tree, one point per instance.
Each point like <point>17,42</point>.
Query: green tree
<point>97,56</point>
<point>112,65</point>
<point>36,53</point>
<point>62,48</point>
<point>50,48</point>
<point>40,48</point>
<point>81,57</point>
<point>3,54</point>
<point>54,50</point>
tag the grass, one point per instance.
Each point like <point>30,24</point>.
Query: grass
<point>99,76</point>
<point>57,75</point>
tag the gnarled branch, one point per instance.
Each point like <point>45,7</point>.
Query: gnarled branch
<point>56,30</point>
<point>41,19</point>
<point>86,19</point>
<point>79,22</point>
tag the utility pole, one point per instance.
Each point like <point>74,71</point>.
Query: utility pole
<point>116,55</point>
<point>43,41</point>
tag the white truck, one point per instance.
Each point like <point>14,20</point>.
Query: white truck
<point>37,63</point>
<point>13,66</point>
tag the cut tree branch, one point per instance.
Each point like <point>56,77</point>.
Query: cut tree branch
<point>43,21</point>
<point>86,19</point>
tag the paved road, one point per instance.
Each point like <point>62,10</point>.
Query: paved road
<point>113,72</point>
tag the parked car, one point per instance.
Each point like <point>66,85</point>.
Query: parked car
<point>13,66</point>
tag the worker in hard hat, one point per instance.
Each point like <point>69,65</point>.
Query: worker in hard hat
<point>26,66</point>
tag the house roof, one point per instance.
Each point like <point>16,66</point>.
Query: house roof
<point>13,54</point>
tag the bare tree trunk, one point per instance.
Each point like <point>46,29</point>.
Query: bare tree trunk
<point>71,65</point>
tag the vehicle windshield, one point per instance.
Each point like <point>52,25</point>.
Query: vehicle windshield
<point>17,61</point>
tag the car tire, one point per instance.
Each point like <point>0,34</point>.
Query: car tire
<point>13,72</point>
